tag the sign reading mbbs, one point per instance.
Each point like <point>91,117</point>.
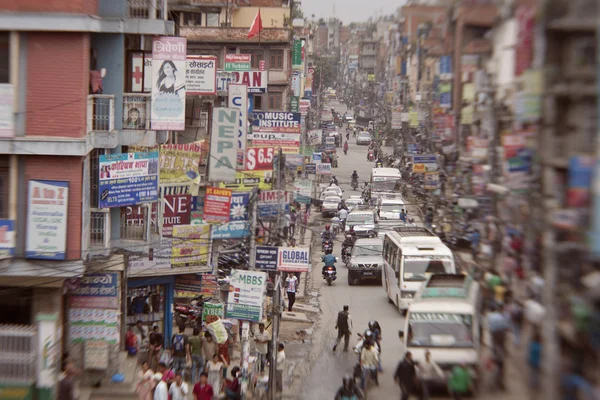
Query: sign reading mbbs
<point>259,158</point>
<point>293,259</point>
<point>246,293</point>
<point>201,75</point>
<point>238,99</point>
<point>223,145</point>
<point>128,179</point>
<point>47,220</point>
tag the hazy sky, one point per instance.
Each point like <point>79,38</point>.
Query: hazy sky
<point>349,10</point>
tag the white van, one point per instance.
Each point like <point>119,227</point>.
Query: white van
<point>364,221</point>
<point>445,319</point>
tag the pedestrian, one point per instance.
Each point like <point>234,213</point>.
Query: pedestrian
<point>167,374</point>
<point>369,361</point>
<point>262,338</point>
<point>196,352</point>
<point>141,331</point>
<point>203,390</point>
<point>280,367</point>
<point>514,312</point>
<point>146,382</point>
<point>497,326</point>
<point>181,350</point>
<point>428,372</point>
<point>178,389</point>
<point>406,375</point>
<point>475,239</point>
<point>215,372</point>
<point>459,381</point>
<point>534,356</point>
<point>131,342</point>
<point>291,284</point>
<point>293,218</point>
<point>403,215</point>
<point>287,221</point>
<point>161,391</point>
<point>66,385</point>
<point>344,327</point>
<point>155,347</point>
<point>232,386</point>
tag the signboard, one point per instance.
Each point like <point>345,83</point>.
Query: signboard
<point>303,191</point>
<point>239,207</point>
<point>47,205</point>
<point>210,286</point>
<point>259,158</point>
<point>324,168</point>
<point>431,181</point>
<point>7,102</point>
<point>581,173</point>
<point>96,290</point>
<point>217,205</point>
<point>255,80</point>
<point>237,62</point>
<point>317,157</point>
<point>190,246</point>
<point>7,238</point>
<point>270,201</point>
<point>179,163</point>
<point>295,104</point>
<point>275,121</point>
<point>128,179</point>
<point>238,99</point>
<point>245,181</point>
<point>275,139</point>
<point>212,310</point>
<point>266,258</point>
<point>246,293</point>
<point>88,324</point>
<point>224,78</point>
<point>310,168</point>
<point>231,230</point>
<point>396,119</point>
<point>187,286</point>
<point>297,54</point>
<point>223,145</point>
<point>293,259</point>
<point>422,164</point>
<point>95,355</point>
<point>201,75</point>
<point>176,211</point>
<point>168,83</point>
<point>304,107</point>
<point>296,84</point>
<point>141,72</point>
<point>16,391</point>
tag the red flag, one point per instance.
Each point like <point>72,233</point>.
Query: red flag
<point>256,26</point>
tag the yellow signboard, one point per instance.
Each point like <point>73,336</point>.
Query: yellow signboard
<point>190,245</point>
<point>413,118</point>
<point>245,181</point>
<point>419,168</point>
<point>371,77</point>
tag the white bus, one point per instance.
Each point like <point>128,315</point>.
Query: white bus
<point>411,254</point>
<point>385,180</point>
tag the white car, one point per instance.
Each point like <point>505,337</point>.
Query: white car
<point>353,202</point>
<point>363,138</point>
<point>390,209</point>
<point>330,205</point>
<point>333,189</point>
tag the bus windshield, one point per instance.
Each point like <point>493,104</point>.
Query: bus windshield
<point>440,330</point>
<point>386,184</point>
<point>420,268</point>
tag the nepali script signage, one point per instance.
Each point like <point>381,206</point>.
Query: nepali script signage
<point>201,75</point>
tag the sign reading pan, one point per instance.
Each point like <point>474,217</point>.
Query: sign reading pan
<point>255,80</point>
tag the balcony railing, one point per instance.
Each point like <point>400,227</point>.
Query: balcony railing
<point>136,111</point>
<point>100,113</point>
<point>100,228</point>
<point>216,34</point>
<point>18,353</point>
<point>145,9</point>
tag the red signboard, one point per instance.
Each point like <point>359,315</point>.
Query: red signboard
<point>259,158</point>
<point>245,58</point>
<point>217,203</point>
<point>176,211</point>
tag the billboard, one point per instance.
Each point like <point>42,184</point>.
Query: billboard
<point>245,181</point>
<point>47,204</point>
<point>266,258</point>
<point>97,290</point>
<point>7,238</point>
<point>238,99</point>
<point>190,246</point>
<point>216,205</point>
<point>275,121</point>
<point>246,295</point>
<point>176,211</point>
<point>293,259</point>
<point>223,145</point>
<point>179,163</point>
<point>128,179</point>
<point>271,201</point>
<point>283,140</point>
<point>231,230</point>
<point>201,75</point>
<point>237,62</point>
<point>168,83</point>
<point>259,158</point>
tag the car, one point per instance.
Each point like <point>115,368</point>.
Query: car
<point>330,205</point>
<point>363,138</point>
<point>390,208</point>
<point>334,189</point>
<point>364,221</point>
<point>366,261</point>
<point>353,202</point>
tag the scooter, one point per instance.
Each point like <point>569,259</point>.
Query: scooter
<point>354,184</point>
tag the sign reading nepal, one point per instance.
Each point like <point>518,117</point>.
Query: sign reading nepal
<point>283,122</point>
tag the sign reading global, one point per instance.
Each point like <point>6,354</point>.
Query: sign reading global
<point>282,122</point>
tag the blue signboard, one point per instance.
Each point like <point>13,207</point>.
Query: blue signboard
<point>239,207</point>
<point>316,157</point>
<point>275,121</point>
<point>424,159</point>
<point>445,65</point>
<point>266,258</point>
<point>7,238</point>
<point>310,168</point>
<point>231,230</point>
<point>128,179</point>
<point>412,148</point>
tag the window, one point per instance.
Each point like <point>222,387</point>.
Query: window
<point>212,19</point>
<point>4,55</point>
<point>192,19</point>
<point>231,50</point>
<point>275,102</point>
<point>276,59</point>
<point>134,221</point>
<point>140,72</point>
<point>258,102</point>
<point>256,56</point>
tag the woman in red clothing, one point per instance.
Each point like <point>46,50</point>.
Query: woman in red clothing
<point>202,390</point>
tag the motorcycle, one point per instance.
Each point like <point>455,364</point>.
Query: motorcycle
<point>327,247</point>
<point>354,184</point>
<point>187,314</point>
<point>330,275</point>
<point>346,254</point>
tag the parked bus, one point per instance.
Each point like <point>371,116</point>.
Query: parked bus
<point>412,254</point>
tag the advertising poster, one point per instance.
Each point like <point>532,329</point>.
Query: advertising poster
<point>303,191</point>
<point>176,211</point>
<point>580,181</point>
<point>7,238</point>
<point>201,75</point>
<point>231,230</point>
<point>7,102</point>
<point>259,158</point>
<point>275,121</point>
<point>210,286</point>
<point>422,164</point>
<point>310,168</point>
<point>188,286</point>
<point>245,181</point>
<point>239,207</point>
<point>255,80</point>
<point>271,201</point>
<point>128,179</point>
<point>324,168</point>
<point>413,119</point>
<point>396,119</point>
<point>445,90</point>
<point>47,205</point>
<point>134,113</point>
<point>293,259</point>
<point>478,147</point>
<point>246,294</point>
<point>304,107</point>
<point>518,160</point>
<point>94,324</point>
<point>238,99</point>
<point>190,246</point>
<point>431,181</point>
<point>213,310</point>
<point>179,163</point>
<point>97,290</point>
<point>217,204</point>
<point>223,145</point>
<point>266,258</point>
<point>168,83</point>
<point>237,62</point>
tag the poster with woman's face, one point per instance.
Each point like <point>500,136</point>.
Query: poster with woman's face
<point>168,83</point>
<point>134,113</point>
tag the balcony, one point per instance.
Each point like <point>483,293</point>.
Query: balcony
<point>101,121</point>
<point>136,121</point>
<point>234,35</point>
<point>145,9</point>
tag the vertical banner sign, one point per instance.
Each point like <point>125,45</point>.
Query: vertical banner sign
<point>296,84</point>
<point>237,62</point>
<point>297,55</point>
<point>223,145</point>
<point>217,205</point>
<point>201,75</point>
<point>295,104</point>
<point>47,220</point>
<point>246,294</point>
<point>238,99</point>
<point>168,83</point>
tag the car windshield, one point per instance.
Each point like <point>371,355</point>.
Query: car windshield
<point>420,268</point>
<point>389,184</point>
<point>440,330</point>
<point>360,219</point>
<point>361,250</point>
<point>353,202</point>
<point>332,199</point>
<point>392,207</point>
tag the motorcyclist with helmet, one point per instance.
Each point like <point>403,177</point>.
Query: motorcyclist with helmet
<point>327,234</point>
<point>329,260</point>
<point>354,179</point>
<point>349,390</point>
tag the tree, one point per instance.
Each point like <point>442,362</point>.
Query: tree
<point>326,69</point>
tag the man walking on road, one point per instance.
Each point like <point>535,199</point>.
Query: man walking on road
<point>344,327</point>
<point>406,375</point>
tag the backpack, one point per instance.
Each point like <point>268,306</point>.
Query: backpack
<point>178,342</point>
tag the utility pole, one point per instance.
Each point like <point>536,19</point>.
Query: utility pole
<point>251,267</point>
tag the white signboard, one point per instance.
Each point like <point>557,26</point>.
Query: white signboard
<point>201,75</point>
<point>246,294</point>
<point>223,145</point>
<point>293,259</point>
<point>238,99</point>
<point>47,203</point>
<point>324,168</point>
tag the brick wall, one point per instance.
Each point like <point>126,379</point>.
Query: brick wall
<point>65,6</point>
<point>57,84</point>
<point>61,169</point>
